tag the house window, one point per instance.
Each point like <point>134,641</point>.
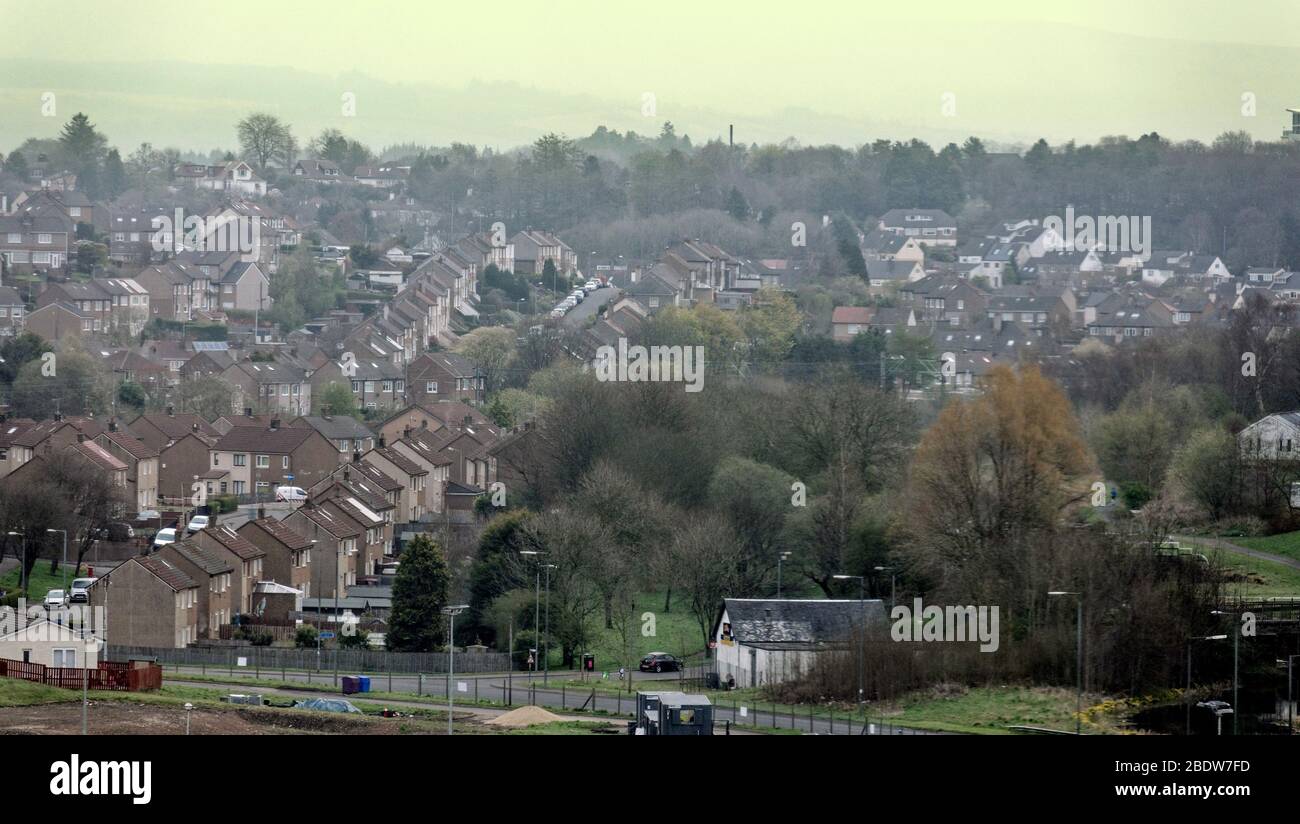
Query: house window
<point>44,238</point>
<point>241,460</point>
<point>430,387</point>
<point>64,658</point>
<point>356,386</point>
<point>388,386</point>
<point>284,462</point>
<point>15,237</point>
<point>263,461</point>
<point>216,459</point>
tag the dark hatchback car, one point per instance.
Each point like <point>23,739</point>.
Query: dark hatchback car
<point>660,662</point>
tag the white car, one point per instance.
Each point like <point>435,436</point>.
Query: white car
<point>557,312</point>
<point>197,524</point>
<point>164,537</point>
<point>286,494</point>
<point>590,286</point>
<point>80,590</point>
<point>578,295</point>
<point>55,598</point>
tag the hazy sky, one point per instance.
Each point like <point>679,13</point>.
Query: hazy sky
<point>502,72</point>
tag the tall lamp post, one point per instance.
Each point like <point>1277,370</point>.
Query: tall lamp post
<point>22,582</point>
<point>451,613</point>
<point>1290,705</point>
<point>1078,656</point>
<point>862,633</point>
<point>780,559</point>
<point>893,581</point>
<point>1236,640</point>
<point>316,566</point>
<point>546,657</point>
<point>65,557</point>
<point>537,608</point>
<point>1188,697</point>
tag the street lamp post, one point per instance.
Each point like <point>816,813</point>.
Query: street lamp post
<point>65,558</point>
<point>1078,657</point>
<point>780,559</point>
<point>90,646</point>
<point>893,580</point>
<point>451,613</point>
<point>862,633</point>
<point>1188,698</point>
<point>1236,639</point>
<point>537,609</point>
<point>314,563</point>
<point>1290,705</point>
<point>546,658</point>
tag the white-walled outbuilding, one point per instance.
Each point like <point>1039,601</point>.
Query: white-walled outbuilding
<point>767,640</point>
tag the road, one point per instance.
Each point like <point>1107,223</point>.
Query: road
<point>578,315</point>
<point>517,691</point>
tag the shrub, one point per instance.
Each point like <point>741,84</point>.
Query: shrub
<point>305,636</point>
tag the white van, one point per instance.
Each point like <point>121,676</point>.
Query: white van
<point>288,494</point>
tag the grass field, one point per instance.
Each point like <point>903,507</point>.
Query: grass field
<point>1286,544</point>
<point>1256,578</point>
<point>18,693</point>
<point>41,580</point>
<point>675,632</point>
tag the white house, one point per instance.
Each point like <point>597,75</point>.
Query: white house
<point>1271,437</point>
<point>45,642</point>
<point>768,640</point>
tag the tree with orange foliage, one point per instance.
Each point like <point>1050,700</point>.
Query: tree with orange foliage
<point>989,485</point>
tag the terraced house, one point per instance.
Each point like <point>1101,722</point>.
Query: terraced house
<point>39,240</point>
<point>257,459</point>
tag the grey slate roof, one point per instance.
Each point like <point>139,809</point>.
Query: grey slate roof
<point>769,621</point>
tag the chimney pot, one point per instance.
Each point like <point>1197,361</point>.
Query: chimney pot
<point>261,512</point>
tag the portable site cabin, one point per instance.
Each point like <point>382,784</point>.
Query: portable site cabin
<point>672,713</point>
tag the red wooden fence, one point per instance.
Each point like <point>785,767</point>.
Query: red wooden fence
<point>111,675</point>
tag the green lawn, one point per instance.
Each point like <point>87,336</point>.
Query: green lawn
<point>15,692</point>
<point>41,580</point>
<point>1286,544</point>
<point>989,709</point>
<point>675,632</point>
<point>1258,579</point>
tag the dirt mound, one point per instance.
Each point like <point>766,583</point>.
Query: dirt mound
<point>525,717</point>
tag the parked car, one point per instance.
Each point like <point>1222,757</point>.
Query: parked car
<point>288,494</point>
<point>578,295</point>
<point>197,524</point>
<point>164,537</point>
<point>55,598</point>
<point>116,532</point>
<point>557,312</point>
<point>660,662</point>
<point>590,286</point>
<point>80,590</point>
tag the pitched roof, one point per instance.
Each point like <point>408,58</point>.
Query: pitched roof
<point>131,445</point>
<point>760,621</point>
<point>338,427</point>
<point>399,460</point>
<point>281,440</point>
<point>234,542</point>
<point>170,575</point>
<point>200,557</point>
<point>282,533</point>
<point>334,525</point>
